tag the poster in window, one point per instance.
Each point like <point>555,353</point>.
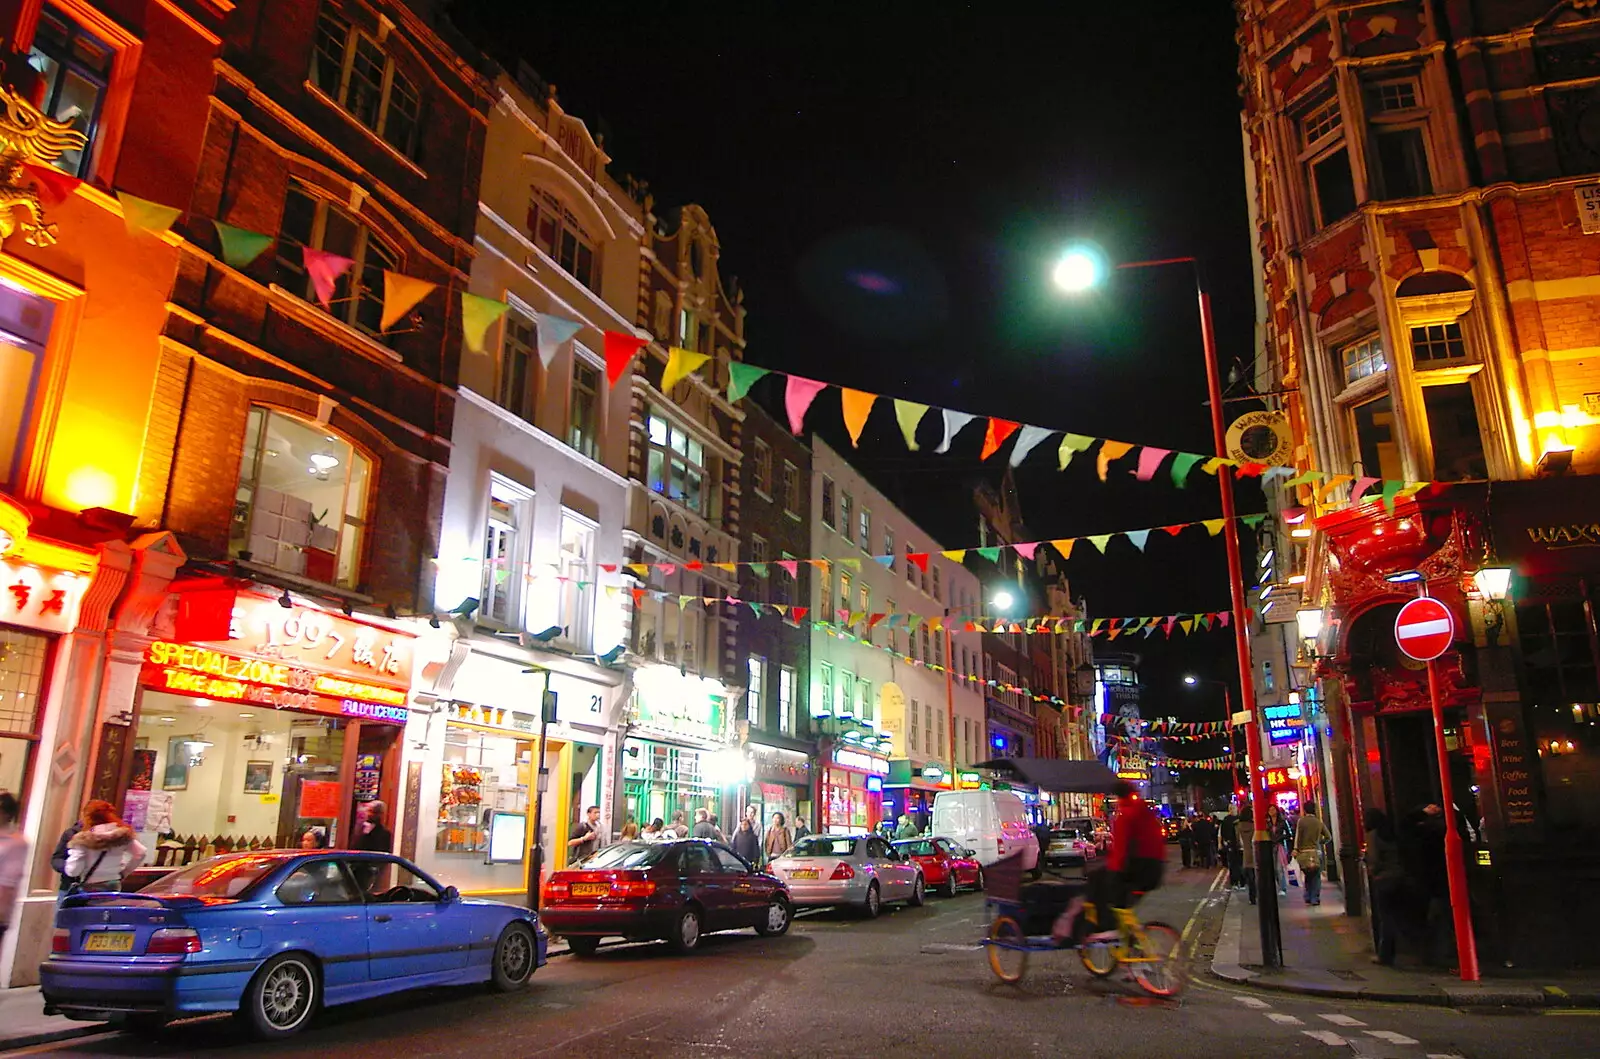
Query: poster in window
<point>258,777</point>
<point>144,770</point>
<point>319,799</point>
<point>175,777</point>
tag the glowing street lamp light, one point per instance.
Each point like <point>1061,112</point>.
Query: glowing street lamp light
<point>1078,269</point>
<point>1002,601</point>
<point>1493,581</point>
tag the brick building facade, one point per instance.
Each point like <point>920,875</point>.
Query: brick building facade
<point>1423,186</point>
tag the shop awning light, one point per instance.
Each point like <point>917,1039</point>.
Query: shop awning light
<point>1266,560</point>
<point>1300,532</point>
<point>1403,577</point>
<point>1297,579</point>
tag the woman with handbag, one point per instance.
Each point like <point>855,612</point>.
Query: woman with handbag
<point>102,853</point>
<point>1309,835</point>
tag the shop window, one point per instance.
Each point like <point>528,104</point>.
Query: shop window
<point>1454,432</point>
<point>583,432</point>
<point>313,221</point>
<point>504,552</point>
<point>1377,447</point>
<point>353,70</point>
<point>827,501</point>
<point>1397,126</point>
<point>301,502</point>
<point>555,230</point>
<point>22,669</point>
<point>517,359</point>
<point>24,328</point>
<point>677,465</point>
<point>1435,344</point>
<point>578,590</point>
<point>786,703</point>
<point>1560,667</point>
<point>1326,163</point>
<point>866,530</point>
<point>761,469</point>
<point>791,489</point>
<point>75,69</point>
<point>845,525</point>
<point>755,679</point>
<point>1362,360</point>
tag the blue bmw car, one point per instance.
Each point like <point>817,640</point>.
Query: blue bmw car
<point>275,935</point>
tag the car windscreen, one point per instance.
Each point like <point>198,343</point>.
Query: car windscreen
<point>1065,834</point>
<point>217,877</point>
<point>918,848</point>
<point>626,855</point>
<point>823,846</point>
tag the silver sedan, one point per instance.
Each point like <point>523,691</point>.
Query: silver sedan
<point>862,871</point>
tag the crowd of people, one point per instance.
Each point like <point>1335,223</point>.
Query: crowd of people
<point>749,840</point>
<point>1299,846</point>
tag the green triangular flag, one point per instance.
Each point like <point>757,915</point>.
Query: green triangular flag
<point>909,414</point>
<point>240,246</point>
<point>1390,491</point>
<point>1071,445</point>
<point>142,215</point>
<point>477,313</point>
<point>1182,464</point>
<point>991,554</point>
<point>741,377</point>
<point>1099,541</point>
<point>760,569</point>
<point>1252,520</point>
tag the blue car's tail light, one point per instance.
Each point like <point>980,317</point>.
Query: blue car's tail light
<point>173,941</point>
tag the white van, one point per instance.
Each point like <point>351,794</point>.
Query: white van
<point>993,823</point>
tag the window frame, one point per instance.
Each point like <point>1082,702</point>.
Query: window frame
<point>576,605</point>
<point>755,688</point>
<point>522,497</point>
<point>517,321</point>
<point>761,469</point>
<point>357,293</point>
<point>788,684</point>
<point>355,36</point>
<point>565,225</point>
<point>67,63</point>
<point>791,490</point>
<point>1314,150</point>
<point>705,508</point>
<point>827,502</point>
<point>1381,122</point>
<point>583,360</point>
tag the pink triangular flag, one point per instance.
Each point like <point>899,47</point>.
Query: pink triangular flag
<point>797,398</point>
<point>1150,459</point>
<point>324,269</point>
<point>1361,486</point>
<point>1026,550</point>
<point>790,567</point>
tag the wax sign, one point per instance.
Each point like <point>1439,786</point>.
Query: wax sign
<point>1424,629</point>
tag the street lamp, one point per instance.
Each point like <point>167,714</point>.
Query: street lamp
<point>1074,273</point>
<point>1002,601</point>
<point>1493,581</point>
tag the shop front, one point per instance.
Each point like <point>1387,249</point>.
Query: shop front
<point>851,795</point>
<point>470,774</point>
<point>910,789</point>
<point>272,735</point>
<point>678,757</point>
<point>781,782</point>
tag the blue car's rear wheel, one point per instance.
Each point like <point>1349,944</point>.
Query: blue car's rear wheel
<point>515,956</point>
<point>282,997</point>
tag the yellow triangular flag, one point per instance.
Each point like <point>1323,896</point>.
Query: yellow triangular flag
<point>400,296</point>
<point>1214,525</point>
<point>957,555</point>
<point>857,406</point>
<point>908,414</point>
<point>640,569</point>
<point>142,215</point>
<point>1187,625</point>
<point>477,313</point>
<point>1110,450</point>
<point>681,363</point>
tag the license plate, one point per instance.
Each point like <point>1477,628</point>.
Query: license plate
<point>804,873</point>
<point>590,889</point>
<point>109,941</point>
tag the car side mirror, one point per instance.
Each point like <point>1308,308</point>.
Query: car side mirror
<point>450,896</point>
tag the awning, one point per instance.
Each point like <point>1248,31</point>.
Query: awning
<point>1052,774</point>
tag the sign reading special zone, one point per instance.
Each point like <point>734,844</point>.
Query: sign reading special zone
<point>191,669</point>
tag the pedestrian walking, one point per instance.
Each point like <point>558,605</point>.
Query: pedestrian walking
<point>1278,828</point>
<point>101,853</point>
<point>1387,882</point>
<point>1205,833</point>
<point>1309,835</point>
<point>703,827</point>
<point>13,859</point>
<point>906,827</point>
<point>58,858</point>
<point>778,840</point>
<point>584,838</point>
<point>747,842</point>
<point>1245,831</point>
<point>1232,858</point>
<point>1186,841</point>
<point>371,834</point>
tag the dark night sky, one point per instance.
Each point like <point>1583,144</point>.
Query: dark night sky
<point>891,187</point>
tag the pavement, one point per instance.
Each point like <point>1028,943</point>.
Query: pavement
<point>1329,954</point>
<point>23,1021</point>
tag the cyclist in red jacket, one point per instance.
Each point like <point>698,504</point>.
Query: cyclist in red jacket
<point>1138,859</point>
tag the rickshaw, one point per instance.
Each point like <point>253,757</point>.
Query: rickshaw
<point>1025,912</point>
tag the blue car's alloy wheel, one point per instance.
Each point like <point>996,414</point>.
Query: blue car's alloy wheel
<point>282,997</point>
<point>513,958</point>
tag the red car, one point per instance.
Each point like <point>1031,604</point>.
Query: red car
<point>674,891</point>
<point>946,865</point>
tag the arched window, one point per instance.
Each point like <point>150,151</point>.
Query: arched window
<point>301,503</point>
<point>555,230</point>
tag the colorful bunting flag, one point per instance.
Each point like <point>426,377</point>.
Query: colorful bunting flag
<point>954,423</point>
<point>797,398</point>
<point>995,436</point>
<point>919,560</point>
<point>1109,451</point>
<point>741,377</point>
<point>1138,538</point>
<point>1362,485</point>
<point>142,215</point>
<point>1064,547</point>
<point>1100,540</point>
<point>1071,445</point>
<point>956,555</point>
<point>989,554</point>
<point>1027,440</point>
<point>477,313</point>
<point>1026,550</point>
<point>619,352</point>
<point>1150,459</point>
<point>325,269</point>
<point>681,363</point>
<point>552,332</point>
<point>401,293</point>
<point>1182,465</point>
<point>55,187</point>
<point>857,406</point>
<point>240,246</point>
<point>908,414</point>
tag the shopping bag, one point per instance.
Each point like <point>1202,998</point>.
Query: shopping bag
<point>1293,871</point>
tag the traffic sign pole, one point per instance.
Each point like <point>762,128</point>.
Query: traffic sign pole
<point>1454,855</point>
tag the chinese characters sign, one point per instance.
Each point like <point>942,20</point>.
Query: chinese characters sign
<point>37,597</point>
<point>317,639</point>
<point>1285,722</point>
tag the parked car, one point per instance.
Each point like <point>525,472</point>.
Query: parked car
<point>1068,848</point>
<point>862,871</point>
<point>276,935</point>
<point>992,823</point>
<point>946,865</point>
<point>1169,828</point>
<point>673,891</point>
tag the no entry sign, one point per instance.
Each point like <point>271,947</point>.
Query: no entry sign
<point>1424,629</point>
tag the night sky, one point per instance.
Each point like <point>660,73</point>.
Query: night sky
<point>891,188</point>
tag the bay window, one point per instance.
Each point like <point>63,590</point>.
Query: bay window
<point>301,501</point>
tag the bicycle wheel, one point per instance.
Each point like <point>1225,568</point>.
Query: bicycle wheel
<point>1099,958</point>
<point>1009,958</point>
<point>1159,970</point>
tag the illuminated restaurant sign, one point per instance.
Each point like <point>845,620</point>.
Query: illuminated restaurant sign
<point>857,759</point>
<point>1285,722</point>
<point>38,597</point>
<point>190,669</point>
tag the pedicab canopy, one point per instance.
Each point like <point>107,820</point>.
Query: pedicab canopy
<point>1053,774</point>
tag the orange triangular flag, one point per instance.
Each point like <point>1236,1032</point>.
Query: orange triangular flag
<point>400,295</point>
<point>1110,450</point>
<point>999,430</point>
<point>857,407</point>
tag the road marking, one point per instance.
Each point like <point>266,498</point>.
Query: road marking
<point>1343,1020</point>
<point>1252,1002</point>
<point>1392,1037</point>
<point>1325,1036</point>
<point>1445,1055</point>
<point>1555,990</point>
<point>1574,1011</point>
<point>1284,1020</point>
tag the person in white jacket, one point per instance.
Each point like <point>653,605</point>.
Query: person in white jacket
<point>104,851</point>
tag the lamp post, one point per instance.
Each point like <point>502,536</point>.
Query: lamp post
<point>1227,705</point>
<point>1078,270</point>
<point>1002,601</point>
